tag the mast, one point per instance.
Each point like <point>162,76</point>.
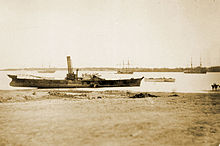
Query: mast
<point>191,63</point>
<point>200,62</point>
<point>128,64</point>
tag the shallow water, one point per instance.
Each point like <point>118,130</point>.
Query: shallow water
<point>183,83</point>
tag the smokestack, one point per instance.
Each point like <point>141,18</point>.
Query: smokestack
<point>69,64</point>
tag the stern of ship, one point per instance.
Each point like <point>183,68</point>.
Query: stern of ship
<point>13,81</point>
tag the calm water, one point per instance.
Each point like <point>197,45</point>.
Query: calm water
<point>183,83</point>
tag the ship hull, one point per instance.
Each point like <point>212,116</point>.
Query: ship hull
<point>52,83</point>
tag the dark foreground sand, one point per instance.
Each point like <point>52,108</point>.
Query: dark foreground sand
<point>109,118</point>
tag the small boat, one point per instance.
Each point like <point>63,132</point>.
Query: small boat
<point>159,79</point>
<point>72,81</point>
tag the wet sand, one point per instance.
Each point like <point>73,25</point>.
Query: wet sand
<point>51,117</point>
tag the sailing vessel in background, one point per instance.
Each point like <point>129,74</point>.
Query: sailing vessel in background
<point>47,70</point>
<point>196,70</point>
<point>125,70</point>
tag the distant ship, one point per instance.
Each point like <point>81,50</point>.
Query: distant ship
<point>159,79</point>
<point>196,70</point>
<point>72,81</point>
<point>125,70</point>
<point>47,71</point>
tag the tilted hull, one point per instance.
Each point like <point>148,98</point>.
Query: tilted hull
<point>52,83</point>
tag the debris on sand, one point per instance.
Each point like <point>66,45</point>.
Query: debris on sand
<point>173,95</point>
<point>136,133</point>
<point>26,97</point>
<point>143,95</point>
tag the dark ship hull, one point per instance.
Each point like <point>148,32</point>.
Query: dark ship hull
<point>53,83</point>
<point>72,81</point>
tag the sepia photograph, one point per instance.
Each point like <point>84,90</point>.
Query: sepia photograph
<point>110,72</point>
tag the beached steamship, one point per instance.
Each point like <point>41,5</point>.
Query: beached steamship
<point>72,81</point>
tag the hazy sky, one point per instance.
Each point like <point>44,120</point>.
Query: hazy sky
<point>150,33</point>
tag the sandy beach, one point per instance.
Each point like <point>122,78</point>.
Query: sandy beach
<point>74,117</point>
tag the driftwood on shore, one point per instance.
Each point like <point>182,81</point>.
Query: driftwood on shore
<point>143,95</point>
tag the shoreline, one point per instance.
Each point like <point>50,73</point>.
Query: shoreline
<point>76,117</point>
<point>22,95</point>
